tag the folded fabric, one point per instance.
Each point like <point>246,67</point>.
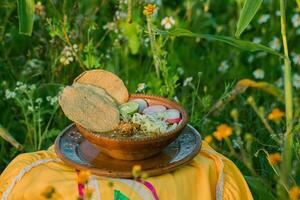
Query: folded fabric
<point>209,176</point>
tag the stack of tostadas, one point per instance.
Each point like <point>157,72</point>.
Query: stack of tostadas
<point>92,100</point>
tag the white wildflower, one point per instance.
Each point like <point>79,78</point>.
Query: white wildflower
<point>275,44</point>
<point>39,100</point>
<point>32,87</point>
<point>180,70</point>
<point>296,81</point>
<point>223,66</point>
<point>168,22</point>
<point>250,58</point>
<point>141,87</point>
<point>296,20</point>
<point>277,13</point>
<point>279,82</point>
<point>259,73</point>
<point>263,18</point>
<point>176,99</point>
<point>9,94</point>
<point>68,54</point>
<point>187,81</point>
<point>296,58</point>
<point>257,40</point>
<point>30,108</point>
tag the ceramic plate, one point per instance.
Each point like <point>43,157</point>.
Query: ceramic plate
<point>79,153</point>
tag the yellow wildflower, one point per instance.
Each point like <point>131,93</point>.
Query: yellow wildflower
<point>136,170</point>
<point>149,9</point>
<point>275,115</point>
<point>294,193</point>
<point>223,131</point>
<point>274,158</point>
<point>208,139</point>
<point>83,176</point>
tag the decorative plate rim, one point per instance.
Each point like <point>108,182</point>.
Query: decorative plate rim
<point>117,174</point>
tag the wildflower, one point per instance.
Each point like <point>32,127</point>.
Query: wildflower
<point>274,158</point>
<point>277,13</point>
<point>187,81</point>
<point>296,81</point>
<point>52,100</point>
<point>296,20</point>
<point>149,9</point>
<point>141,87</point>
<point>32,87</point>
<point>279,82</point>
<point>39,100</point>
<point>256,40</point>
<point>234,114</point>
<point>250,59</point>
<point>176,99</point>
<point>208,139</point>
<point>180,70</point>
<point>275,44</point>
<point>30,108</point>
<point>263,18</point>
<point>83,176</point>
<point>110,26</point>
<point>223,66</point>
<point>223,131</point>
<point>296,58</point>
<point>248,137</point>
<point>40,9</point>
<point>294,193</point>
<point>9,94</point>
<point>168,22</point>
<point>136,170</point>
<point>259,73</point>
<point>276,115</point>
<point>68,54</point>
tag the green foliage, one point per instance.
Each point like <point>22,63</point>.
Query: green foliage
<point>26,12</point>
<point>249,10</point>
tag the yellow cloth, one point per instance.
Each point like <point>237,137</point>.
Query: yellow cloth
<point>209,176</point>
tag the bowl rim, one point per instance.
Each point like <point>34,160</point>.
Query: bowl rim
<point>105,136</point>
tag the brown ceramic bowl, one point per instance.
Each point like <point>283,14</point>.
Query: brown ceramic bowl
<point>129,148</point>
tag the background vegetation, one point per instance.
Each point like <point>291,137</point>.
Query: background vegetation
<point>210,79</point>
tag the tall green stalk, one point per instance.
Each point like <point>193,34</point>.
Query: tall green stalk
<point>288,137</point>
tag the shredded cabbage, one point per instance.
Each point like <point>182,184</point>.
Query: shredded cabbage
<point>153,123</point>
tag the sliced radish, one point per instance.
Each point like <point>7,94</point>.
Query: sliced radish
<point>142,103</point>
<point>172,116</point>
<point>154,109</point>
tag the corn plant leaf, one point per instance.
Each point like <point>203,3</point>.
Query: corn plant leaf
<point>241,44</point>
<point>259,189</point>
<point>26,14</point>
<point>248,11</point>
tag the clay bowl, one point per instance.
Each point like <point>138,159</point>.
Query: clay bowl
<point>132,148</point>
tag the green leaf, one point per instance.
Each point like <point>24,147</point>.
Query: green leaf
<point>249,10</point>
<point>131,31</point>
<point>241,44</point>
<point>258,188</point>
<point>9,138</point>
<point>26,13</point>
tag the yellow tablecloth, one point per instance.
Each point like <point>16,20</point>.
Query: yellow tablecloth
<point>209,176</point>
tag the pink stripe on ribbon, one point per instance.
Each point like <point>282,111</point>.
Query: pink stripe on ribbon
<point>150,187</point>
<point>80,188</point>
